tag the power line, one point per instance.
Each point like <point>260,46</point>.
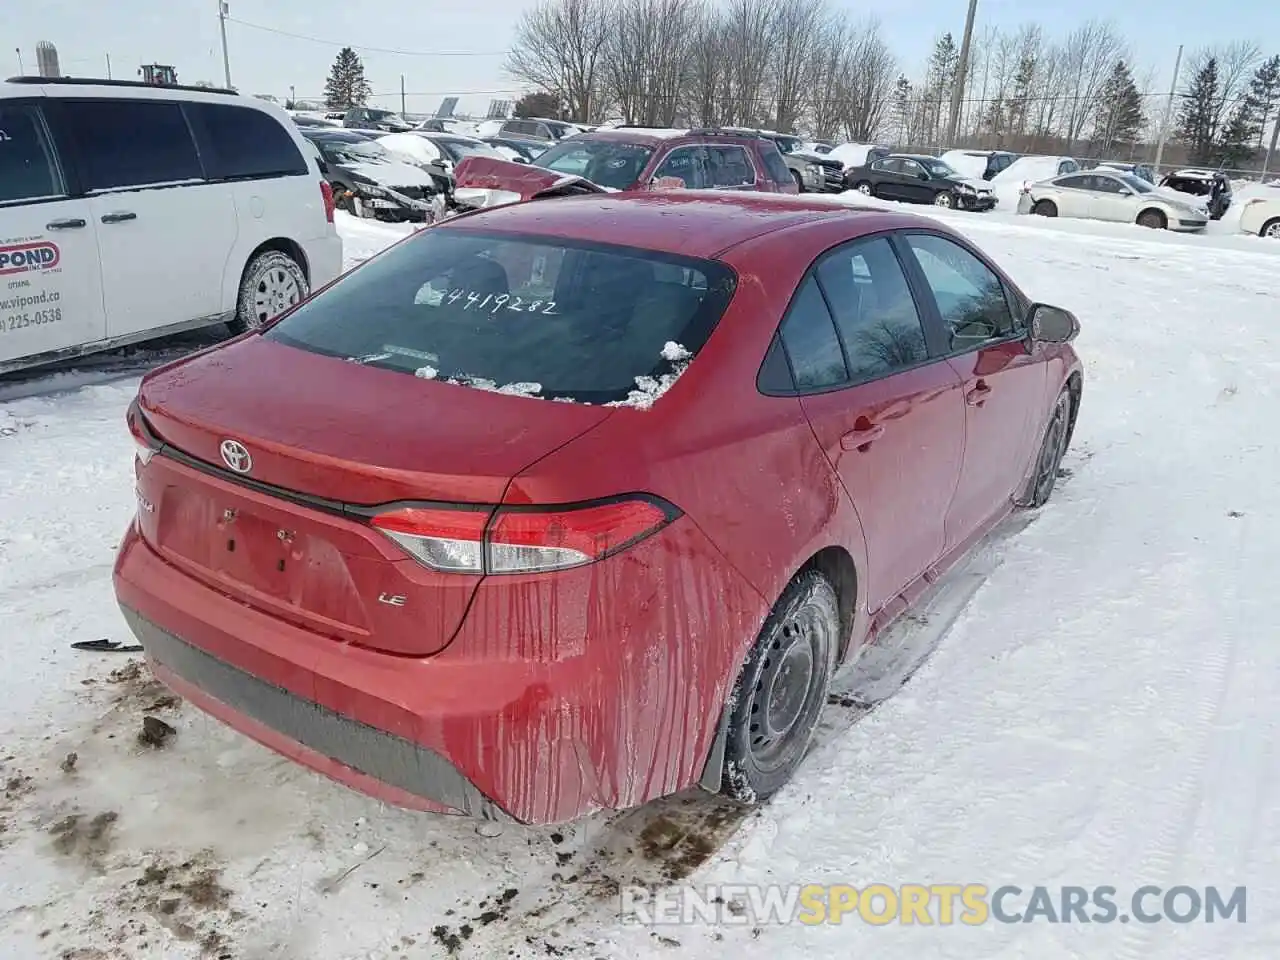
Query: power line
<point>343,43</point>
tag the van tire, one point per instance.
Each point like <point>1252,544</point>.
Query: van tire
<point>272,282</point>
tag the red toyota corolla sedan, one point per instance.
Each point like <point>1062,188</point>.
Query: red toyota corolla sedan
<point>579,502</point>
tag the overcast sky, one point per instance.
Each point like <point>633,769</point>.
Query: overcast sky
<point>184,33</point>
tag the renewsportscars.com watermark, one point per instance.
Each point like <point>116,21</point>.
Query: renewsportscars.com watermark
<point>939,904</point>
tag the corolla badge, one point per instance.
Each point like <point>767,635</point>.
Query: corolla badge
<point>235,456</point>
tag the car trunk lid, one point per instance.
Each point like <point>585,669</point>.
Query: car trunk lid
<point>287,530</point>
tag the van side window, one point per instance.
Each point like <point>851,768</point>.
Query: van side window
<point>240,143</point>
<point>132,143</point>
<point>28,167</point>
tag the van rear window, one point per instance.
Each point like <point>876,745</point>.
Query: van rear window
<point>535,316</point>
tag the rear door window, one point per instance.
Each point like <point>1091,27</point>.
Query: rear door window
<point>132,143</point>
<point>874,311</point>
<point>730,166</point>
<point>533,316</point>
<point>29,169</point>
<point>240,143</point>
<point>777,168</point>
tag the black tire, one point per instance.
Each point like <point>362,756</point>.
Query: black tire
<point>1057,435</point>
<point>1045,208</point>
<point>785,681</point>
<point>272,282</point>
<point>946,199</point>
<point>864,187</point>
<point>1154,219</point>
<point>1271,229</point>
<point>799,181</point>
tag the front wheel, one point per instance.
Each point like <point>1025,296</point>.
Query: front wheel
<point>1057,433</point>
<point>944,200</point>
<point>782,689</point>
<point>799,181</point>
<point>272,283</point>
<point>1153,219</point>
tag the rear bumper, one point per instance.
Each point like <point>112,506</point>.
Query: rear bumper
<point>556,698</point>
<point>324,259</point>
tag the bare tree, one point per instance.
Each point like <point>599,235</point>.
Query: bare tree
<point>648,58</point>
<point>749,36</point>
<point>796,41</point>
<point>1088,55</point>
<point>559,47</point>
<point>706,70</point>
<point>869,72</point>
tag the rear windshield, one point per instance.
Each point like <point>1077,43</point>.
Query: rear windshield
<point>536,316</point>
<point>605,162</point>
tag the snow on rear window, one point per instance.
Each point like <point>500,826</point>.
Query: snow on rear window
<point>521,315</point>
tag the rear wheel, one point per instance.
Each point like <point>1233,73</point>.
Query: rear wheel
<point>1056,435</point>
<point>1271,229</point>
<point>1153,219</point>
<point>1045,208</point>
<point>782,689</point>
<point>863,188</point>
<point>272,283</point>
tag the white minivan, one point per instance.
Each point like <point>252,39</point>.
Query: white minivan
<point>130,211</point>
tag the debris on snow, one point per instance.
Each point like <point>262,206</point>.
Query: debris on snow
<point>155,732</point>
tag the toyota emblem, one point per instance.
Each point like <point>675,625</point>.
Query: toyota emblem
<point>235,456</point>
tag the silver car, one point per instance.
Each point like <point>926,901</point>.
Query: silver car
<point>1111,195</point>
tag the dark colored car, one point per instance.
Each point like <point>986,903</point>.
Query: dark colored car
<point>371,118</point>
<point>529,150</point>
<point>920,179</point>
<point>579,502</point>
<point>636,158</point>
<point>537,128</point>
<point>368,181</point>
<point>1212,186</point>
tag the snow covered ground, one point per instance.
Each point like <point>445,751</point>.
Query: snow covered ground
<point>1100,709</point>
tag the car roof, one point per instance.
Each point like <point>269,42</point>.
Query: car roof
<point>688,222</point>
<point>334,133</point>
<point>908,156</point>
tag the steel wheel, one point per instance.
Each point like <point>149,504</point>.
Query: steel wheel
<point>782,689</point>
<point>1052,450</point>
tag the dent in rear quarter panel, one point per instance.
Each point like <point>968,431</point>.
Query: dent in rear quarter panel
<point>641,648</point>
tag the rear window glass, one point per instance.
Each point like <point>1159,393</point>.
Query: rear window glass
<point>243,143</point>
<point>535,316</point>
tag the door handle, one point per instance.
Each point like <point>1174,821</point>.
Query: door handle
<point>858,439</point>
<point>65,224</point>
<point>119,217</point>
<point>978,395</point>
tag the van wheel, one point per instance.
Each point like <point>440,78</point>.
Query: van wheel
<point>272,283</point>
<point>1045,208</point>
<point>782,690</point>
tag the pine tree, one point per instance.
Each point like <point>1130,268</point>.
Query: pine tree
<point>942,75</point>
<point>902,110</point>
<point>1264,96</point>
<point>346,86</point>
<point>1234,148</point>
<point>1197,117</point>
<point>1119,116</point>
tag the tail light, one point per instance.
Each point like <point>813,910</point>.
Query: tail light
<point>326,193</point>
<point>523,539</point>
<point>143,439</point>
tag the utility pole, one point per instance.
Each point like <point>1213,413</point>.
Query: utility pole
<point>1168,110</point>
<point>962,73</point>
<point>293,94</point>
<point>402,108</point>
<point>222,26</point>
<point>1271,150</point>
<point>22,71</point>
<point>108,66</point>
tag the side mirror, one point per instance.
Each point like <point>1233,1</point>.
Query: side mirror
<point>1126,192</point>
<point>922,176</point>
<point>519,160</point>
<point>1049,324</point>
